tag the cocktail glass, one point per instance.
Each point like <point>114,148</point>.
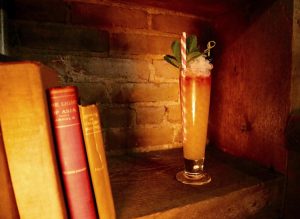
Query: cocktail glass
<point>195,89</point>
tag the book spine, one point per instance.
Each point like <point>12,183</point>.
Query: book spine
<point>28,139</point>
<point>91,128</point>
<point>71,152</point>
<point>8,205</point>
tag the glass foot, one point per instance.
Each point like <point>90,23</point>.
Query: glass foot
<point>199,179</point>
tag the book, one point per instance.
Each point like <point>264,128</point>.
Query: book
<point>8,205</point>
<point>91,127</point>
<point>28,141</point>
<point>71,152</point>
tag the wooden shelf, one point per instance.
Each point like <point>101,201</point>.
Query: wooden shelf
<point>144,185</point>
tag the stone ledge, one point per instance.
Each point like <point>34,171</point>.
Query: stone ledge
<point>144,186</point>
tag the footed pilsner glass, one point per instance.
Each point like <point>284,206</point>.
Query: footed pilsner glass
<point>195,89</point>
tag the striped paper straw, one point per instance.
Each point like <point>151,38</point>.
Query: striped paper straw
<point>182,88</point>
<point>183,50</point>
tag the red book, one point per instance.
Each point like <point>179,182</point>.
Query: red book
<point>71,152</point>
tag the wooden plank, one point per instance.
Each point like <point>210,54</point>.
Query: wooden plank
<point>251,81</point>
<point>144,185</point>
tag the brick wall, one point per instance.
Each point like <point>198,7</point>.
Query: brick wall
<point>113,52</point>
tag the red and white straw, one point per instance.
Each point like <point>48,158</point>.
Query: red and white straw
<point>183,50</point>
<point>182,88</point>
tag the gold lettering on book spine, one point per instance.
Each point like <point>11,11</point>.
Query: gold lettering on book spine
<point>71,172</point>
<point>92,127</point>
<point>64,126</point>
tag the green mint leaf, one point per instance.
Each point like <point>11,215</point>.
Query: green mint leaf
<point>191,43</point>
<point>193,55</point>
<point>192,48</point>
<point>172,60</point>
<point>176,50</point>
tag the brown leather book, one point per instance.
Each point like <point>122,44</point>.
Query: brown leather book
<point>90,121</point>
<point>28,139</point>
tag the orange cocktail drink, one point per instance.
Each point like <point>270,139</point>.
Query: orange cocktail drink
<point>195,82</point>
<point>195,86</point>
<point>195,99</point>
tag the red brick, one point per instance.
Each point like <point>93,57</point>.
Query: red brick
<point>144,92</point>
<point>92,93</point>
<point>164,70</point>
<point>51,60</point>
<point>174,113</point>
<point>46,10</point>
<point>63,38</point>
<point>151,136</point>
<point>123,139</point>
<point>116,139</point>
<point>108,16</point>
<point>112,117</point>
<point>150,115</point>
<point>178,136</point>
<point>129,70</point>
<point>130,43</point>
<point>177,24</point>
<point>207,9</point>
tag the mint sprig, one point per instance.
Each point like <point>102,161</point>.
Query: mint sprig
<point>192,50</point>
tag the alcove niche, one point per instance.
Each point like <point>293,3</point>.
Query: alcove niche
<point>112,50</point>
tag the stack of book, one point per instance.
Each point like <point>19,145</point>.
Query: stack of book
<point>52,157</point>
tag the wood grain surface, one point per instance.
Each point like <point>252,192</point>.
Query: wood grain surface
<point>144,185</point>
